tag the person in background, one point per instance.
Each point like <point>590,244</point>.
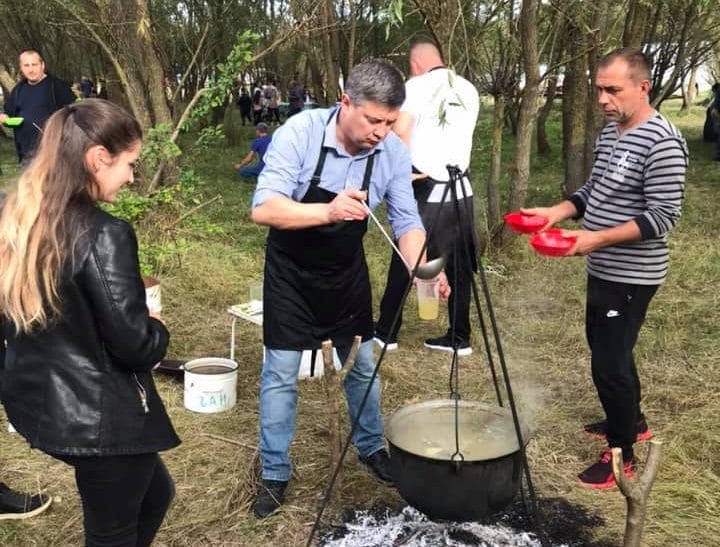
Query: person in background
<point>714,114</point>
<point>76,378</point>
<point>34,98</point>
<point>244,103</point>
<point>322,167</point>
<point>437,122</point>
<point>272,97</point>
<point>296,98</point>
<point>252,164</point>
<point>87,87</point>
<point>102,90</point>
<point>258,104</point>
<point>629,204</point>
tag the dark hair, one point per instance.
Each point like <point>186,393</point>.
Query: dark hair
<point>639,64</point>
<point>72,131</point>
<point>376,80</point>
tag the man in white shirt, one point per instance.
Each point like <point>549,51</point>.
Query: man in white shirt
<point>436,122</point>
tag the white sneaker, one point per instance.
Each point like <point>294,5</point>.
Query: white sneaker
<point>390,346</point>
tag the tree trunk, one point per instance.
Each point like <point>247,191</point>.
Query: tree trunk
<point>6,80</point>
<point>152,71</point>
<point>528,109</point>
<point>543,146</point>
<point>594,117</point>
<point>352,37</point>
<point>493,181</point>
<point>331,53</point>
<point>575,99</point>
<point>689,92</point>
<point>636,21</point>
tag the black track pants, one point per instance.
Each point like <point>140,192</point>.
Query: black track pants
<point>614,314</point>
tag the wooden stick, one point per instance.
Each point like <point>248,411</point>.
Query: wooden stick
<point>352,355</point>
<point>636,492</point>
<point>332,386</point>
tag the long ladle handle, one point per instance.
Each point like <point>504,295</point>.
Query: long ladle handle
<point>387,236</point>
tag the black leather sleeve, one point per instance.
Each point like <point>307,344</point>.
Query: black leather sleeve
<point>111,277</point>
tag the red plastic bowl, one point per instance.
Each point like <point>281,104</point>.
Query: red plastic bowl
<point>525,224</point>
<point>552,243</point>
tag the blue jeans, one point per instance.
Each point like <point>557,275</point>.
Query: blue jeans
<point>249,171</point>
<point>278,407</point>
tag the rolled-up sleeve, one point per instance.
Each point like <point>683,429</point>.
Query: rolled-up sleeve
<point>402,211</point>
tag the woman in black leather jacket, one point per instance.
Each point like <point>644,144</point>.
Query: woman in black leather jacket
<point>75,378</point>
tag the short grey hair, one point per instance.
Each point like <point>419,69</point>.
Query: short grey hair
<point>639,64</point>
<point>378,81</point>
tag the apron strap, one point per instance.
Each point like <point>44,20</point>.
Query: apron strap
<point>315,179</point>
<point>313,356</point>
<point>368,171</point>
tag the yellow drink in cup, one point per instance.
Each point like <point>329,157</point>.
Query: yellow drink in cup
<point>428,297</point>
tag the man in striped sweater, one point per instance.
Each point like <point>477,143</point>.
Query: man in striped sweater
<point>629,204</point>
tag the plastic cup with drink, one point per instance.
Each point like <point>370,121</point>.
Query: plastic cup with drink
<point>428,297</point>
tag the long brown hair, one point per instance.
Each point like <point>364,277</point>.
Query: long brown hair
<point>41,219</point>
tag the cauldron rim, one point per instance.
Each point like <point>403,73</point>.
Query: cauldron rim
<point>443,403</point>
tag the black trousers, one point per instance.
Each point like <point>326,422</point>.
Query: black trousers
<point>459,274</point>
<point>124,498</point>
<point>614,314</point>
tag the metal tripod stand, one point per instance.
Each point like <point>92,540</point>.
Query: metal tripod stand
<point>456,175</point>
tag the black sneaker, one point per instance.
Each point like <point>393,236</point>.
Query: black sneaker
<point>443,343</point>
<point>598,430</point>
<point>15,505</point>
<point>379,463</point>
<point>271,495</point>
<point>600,475</point>
<point>383,341</point>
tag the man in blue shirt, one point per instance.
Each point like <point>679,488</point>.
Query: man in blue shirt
<point>320,168</point>
<point>257,154</point>
<point>34,98</point>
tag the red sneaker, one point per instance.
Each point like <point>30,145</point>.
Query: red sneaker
<point>598,430</point>
<point>600,476</point>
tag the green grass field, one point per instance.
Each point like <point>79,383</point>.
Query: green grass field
<point>539,303</point>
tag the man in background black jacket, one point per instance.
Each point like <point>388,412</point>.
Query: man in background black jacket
<point>34,98</point>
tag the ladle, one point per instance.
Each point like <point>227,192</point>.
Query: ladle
<point>424,271</point>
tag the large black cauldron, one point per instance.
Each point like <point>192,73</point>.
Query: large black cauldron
<point>429,474</point>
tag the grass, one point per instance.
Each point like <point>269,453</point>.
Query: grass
<point>539,307</point>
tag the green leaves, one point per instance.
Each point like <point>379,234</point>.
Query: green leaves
<point>158,147</point>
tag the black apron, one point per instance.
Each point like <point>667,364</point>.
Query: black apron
<point>316,284</point>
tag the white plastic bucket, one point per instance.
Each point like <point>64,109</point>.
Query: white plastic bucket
<point>210,384</point>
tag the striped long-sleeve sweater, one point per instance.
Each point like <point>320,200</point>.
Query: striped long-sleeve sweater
<point>637,175</point>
